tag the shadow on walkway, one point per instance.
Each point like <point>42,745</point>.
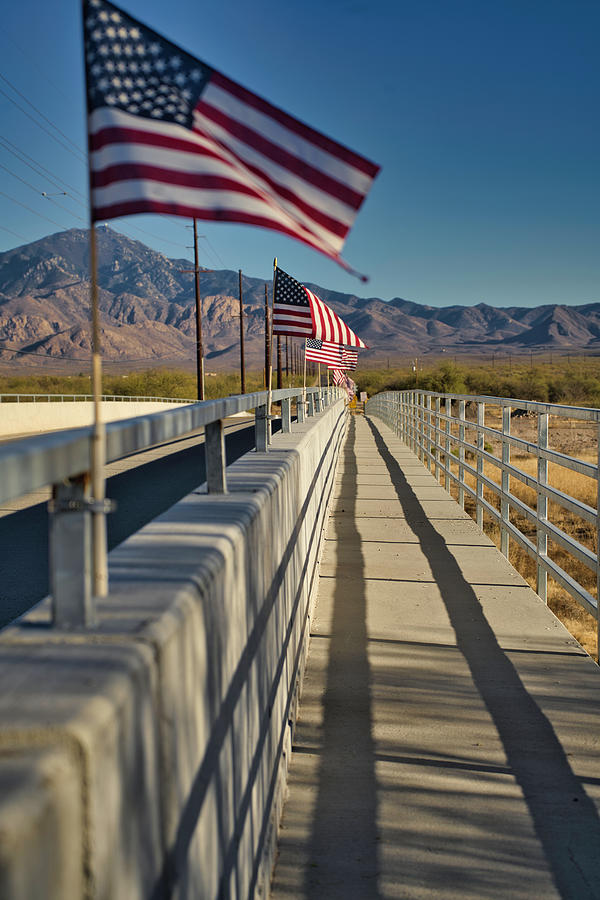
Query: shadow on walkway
<point>343,848</point>
<point>565,819</point>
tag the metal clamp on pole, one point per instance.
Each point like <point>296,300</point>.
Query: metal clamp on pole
<point>286,417</point>
<point>70,531</point>
<point>261,429</point>
<point>216,479</point>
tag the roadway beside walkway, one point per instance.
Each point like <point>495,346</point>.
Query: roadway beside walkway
<point>448,740</point>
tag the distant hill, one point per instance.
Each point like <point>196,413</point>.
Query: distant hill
<point>148,312</point>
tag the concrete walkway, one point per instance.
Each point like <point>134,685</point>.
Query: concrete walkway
<point>448,742</point>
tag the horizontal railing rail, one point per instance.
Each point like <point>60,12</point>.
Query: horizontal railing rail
<point>436,427</point>
<point>87,398</point>
<point>63,460</point>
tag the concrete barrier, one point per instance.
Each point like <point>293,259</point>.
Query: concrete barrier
<point>147,758</point>
<point>35,418</point>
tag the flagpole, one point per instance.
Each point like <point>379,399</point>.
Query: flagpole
<point>99,543</point>
<point>270,391</point>
<point>304,384</point>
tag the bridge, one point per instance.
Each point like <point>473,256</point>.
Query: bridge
<point>446,740</point>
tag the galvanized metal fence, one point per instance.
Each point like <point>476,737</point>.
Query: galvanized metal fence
<point>64,459</point>
<point>456,447</point>
<point>86,398</point>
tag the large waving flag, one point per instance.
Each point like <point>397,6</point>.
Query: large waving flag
<point>169,134</point>
<point>297,311</point>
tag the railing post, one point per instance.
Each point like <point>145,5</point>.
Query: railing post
<point>216,479</point>
<point>317,398</point>
<point>286,418</point>
<point>311,404</point>
<point>300,408</point>
<point>437,439</point>
<point>461,452</point>
<point>542,508</point>
<point>261,431</point>
<point>429,420</point>
<point>504,504</point>
<point>70,540</point>
<point>448,409</point>
<point>598,546</point>
<point>480,443</point>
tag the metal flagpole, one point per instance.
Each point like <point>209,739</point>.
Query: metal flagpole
<point>99,544</point>
<point>242,355</point>
<point>304,385</point>
<point>270,391</point>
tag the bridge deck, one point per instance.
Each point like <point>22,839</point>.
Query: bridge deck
<point>447,742</point>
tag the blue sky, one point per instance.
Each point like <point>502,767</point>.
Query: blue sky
<point>483,116</point>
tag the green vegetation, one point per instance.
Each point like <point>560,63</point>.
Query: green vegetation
<point>575,383</point>
<point>152,383</point>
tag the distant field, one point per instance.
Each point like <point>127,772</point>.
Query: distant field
<point>571,380</point>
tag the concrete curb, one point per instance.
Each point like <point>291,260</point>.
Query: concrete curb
<point>166,730</point>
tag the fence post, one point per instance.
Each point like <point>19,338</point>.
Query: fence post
<point>317,399</point>
<point>286,418</point>
<point>216,479</point>
<point>437,440</point>
<point>429,420</point>
<point>448,407</point>
<point>480,443</point>
<point>311,404</point>
<point>542,508</point>
<point>299,408</point>
<point>461,452</point>
<point>504,504</point>
<point>261,430</point>
<point>70,545</point>
<point>598,548</point>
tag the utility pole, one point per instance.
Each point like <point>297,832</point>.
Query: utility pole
<point>199,350</point>
<point>242,359</point>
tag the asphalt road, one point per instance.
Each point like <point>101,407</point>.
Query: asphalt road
<point>142,490</point>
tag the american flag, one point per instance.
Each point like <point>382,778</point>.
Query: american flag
<point>297,311</point>
<point>349,358</point>
<point>169,134</point>
<point>324,352</point>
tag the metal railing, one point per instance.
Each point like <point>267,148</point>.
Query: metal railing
<point>63,460</point>
<point>436,428</point>
<point>86,398</point>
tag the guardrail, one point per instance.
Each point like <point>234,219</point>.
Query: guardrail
<point>427,423</point>
<point>63,460</point>
<point>86,398</point>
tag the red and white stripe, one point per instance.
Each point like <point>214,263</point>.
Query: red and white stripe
<point>244,161</point>
<point>329,354</point>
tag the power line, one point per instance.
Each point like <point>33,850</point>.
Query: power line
<point>16,234</point>
<point>34,165</point>
<point>29,116</point>
<point>41,114</point>
<point>39,215</point>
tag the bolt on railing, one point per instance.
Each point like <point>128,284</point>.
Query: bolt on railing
<point>63,461</point>
<point>439,438</point>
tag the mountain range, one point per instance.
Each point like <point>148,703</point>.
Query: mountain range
<point>147,313</point>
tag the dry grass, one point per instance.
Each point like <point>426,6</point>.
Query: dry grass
<point>575,439</point>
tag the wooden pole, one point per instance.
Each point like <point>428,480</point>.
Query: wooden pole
<point>287,358</point>
<point>242,359</point>
<point>199,349</point>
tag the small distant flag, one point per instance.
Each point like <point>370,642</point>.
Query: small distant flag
<point>298,311</point>
<point>324,352</point>
<point>170,134</point>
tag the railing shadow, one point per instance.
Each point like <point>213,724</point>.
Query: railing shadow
<point>343,860</point>
<point>565,819</point>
